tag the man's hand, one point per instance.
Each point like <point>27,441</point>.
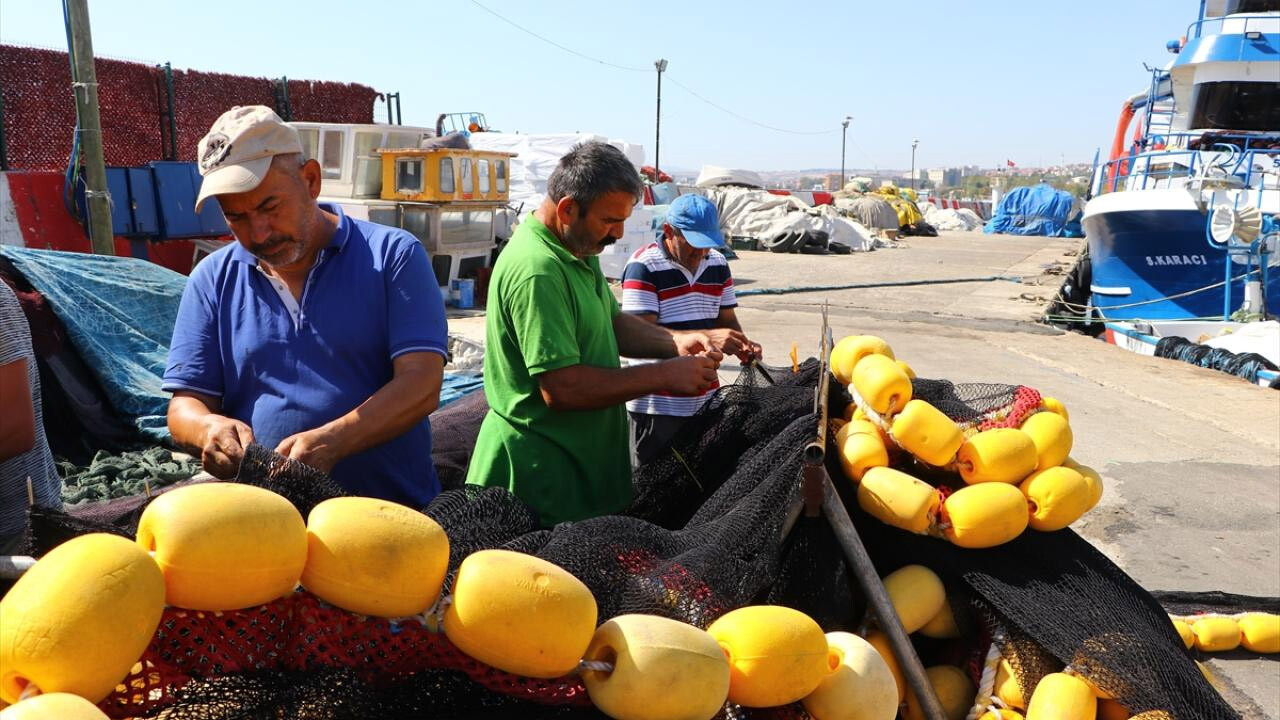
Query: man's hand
<point>691,374</point>
<point>691,342</point>
<point>318,448</point>
<point>223,444</point>
<point>734,342</point>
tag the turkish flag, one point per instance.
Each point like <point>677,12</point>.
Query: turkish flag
<point>1010,163</point>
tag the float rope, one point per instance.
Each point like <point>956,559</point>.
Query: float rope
<point>867,286</point>
<point>985,700</point>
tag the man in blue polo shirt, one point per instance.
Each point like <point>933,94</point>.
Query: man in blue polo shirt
<point>315,334</point>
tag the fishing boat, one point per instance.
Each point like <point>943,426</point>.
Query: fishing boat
<point>1183,222</point>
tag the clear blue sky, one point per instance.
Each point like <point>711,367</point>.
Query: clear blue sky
<point>976,81</point>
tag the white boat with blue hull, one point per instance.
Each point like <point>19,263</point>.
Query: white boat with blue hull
<point>1183,222</point>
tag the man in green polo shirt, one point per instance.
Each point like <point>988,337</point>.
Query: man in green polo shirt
<point>556,431</point>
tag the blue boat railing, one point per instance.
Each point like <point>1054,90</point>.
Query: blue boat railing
<point>1238,24</point>
<point>1173,156</point>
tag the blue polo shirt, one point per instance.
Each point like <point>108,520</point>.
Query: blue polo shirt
<point>370,297</point>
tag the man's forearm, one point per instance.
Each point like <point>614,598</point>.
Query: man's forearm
<point>586,387</point>
<point>189,421</point>
<point>390,412</point>
<point>640,339</point>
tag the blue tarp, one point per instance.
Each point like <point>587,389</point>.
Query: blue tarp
<point>119,313</point>
<point>1038,210</point>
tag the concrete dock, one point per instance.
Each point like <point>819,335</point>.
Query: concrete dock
<point>1190,457</point>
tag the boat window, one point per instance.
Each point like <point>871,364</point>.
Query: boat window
<point>310,138</point>
<point>409,175</point>
<point>403,140</point>
<point>446,175</point>
<point>1236,106</point>
<point>467,184</point>
<point>331,162</point>
<point>482,175</point>
<point>1251,6</point>
<point>501,167</point>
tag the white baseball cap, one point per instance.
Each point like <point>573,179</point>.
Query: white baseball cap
<point>236,153</point>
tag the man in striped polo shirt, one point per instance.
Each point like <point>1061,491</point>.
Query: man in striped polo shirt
<point>680,283</point>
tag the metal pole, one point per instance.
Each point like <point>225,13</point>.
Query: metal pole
<point>661,65</point>
<point>173,123</point>
<point>843,134</point>
<point>914,143</point>
<point>85,87</point>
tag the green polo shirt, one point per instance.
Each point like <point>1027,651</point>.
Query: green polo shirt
<point>549,310</point>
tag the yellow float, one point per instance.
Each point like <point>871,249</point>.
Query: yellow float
<point>907,369</point>
<point>374,557</point>
<point>984,515</point>
<point>1055,405</point>
<point>777,655</point>
<point>1006,455</point>
<point>861,448</point>
<point>1216,634</point>
<point>80,618</point>
<point>1091,477</point>
<point>1112,710</point>
<point>1052,435</point>
<point>895,498</point>
<point>53,706</point>
<point>224,546</point>
<point>882,384</point>
<point>520,613</point>
<point>1260,632</point>
<point>925,432</point>
<point>954,689</point>
<point>846,354</point>
<point>1007,687</point>
<point>1001,714</point>
<point>917,595</point>
<point>884,649</point>
<point>1184,632</point>
<point>1061,696</point>
<point>663,669</point>
<point>943,625</point>
<point>1058,497</point>
<point>861,688</point>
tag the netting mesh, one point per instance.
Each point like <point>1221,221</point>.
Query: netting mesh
<point>978,406</point>
<point>39,109</point>
<point>705,534</point>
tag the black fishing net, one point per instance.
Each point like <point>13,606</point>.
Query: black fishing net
<point>706,533</point>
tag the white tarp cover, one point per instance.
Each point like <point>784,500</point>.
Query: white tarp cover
<point>763,215</point>
<point>962,220</point>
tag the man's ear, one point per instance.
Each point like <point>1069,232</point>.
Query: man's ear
<point>567,211</point>
<point>310,174</point>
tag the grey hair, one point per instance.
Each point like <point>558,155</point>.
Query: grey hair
<point>590,170</point>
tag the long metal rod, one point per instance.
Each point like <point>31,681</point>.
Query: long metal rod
<point>863,569</point>
<point>816,450</point>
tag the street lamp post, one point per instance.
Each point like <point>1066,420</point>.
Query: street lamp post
<point>844,132</point>
<point>914,143</point>
<point>657,125</point>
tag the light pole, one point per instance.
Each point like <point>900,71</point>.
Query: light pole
<point>661,65</point>
<point>844,132</point>
<point>914,143</point>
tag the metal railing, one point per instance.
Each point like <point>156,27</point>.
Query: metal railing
<point>1235,25</point>
<point>1176,156</point>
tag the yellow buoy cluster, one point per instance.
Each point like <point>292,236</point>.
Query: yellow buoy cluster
<point>74,625</point>
<point>1254,631</point>
<point>1010,478</point>
<point>920,601</point>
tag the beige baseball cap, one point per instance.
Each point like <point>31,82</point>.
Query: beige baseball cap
<point>236,153</point>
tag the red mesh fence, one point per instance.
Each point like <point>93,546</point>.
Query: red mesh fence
<point>301,633</point>
<point>40,115</point>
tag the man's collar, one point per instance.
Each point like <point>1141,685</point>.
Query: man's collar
<point>336,243</point>
<point>548,237</point>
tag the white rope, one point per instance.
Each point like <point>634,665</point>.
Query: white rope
<point>30,691</point>
<point>987,683</point>
<point>433,618</point>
